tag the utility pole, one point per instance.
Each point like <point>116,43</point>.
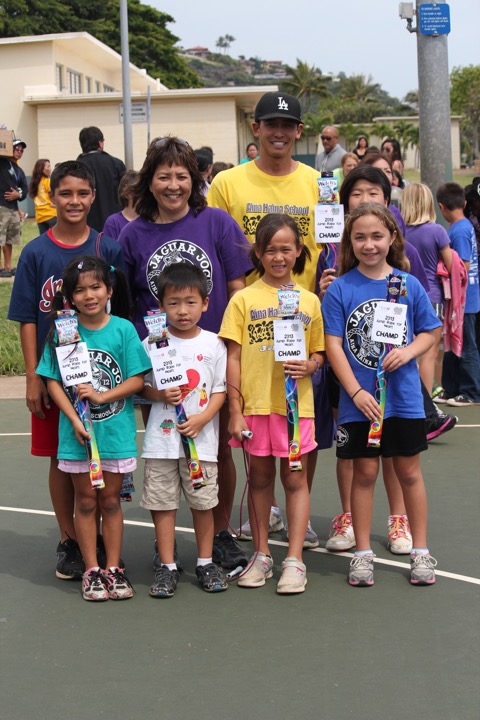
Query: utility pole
<point>127,99</point>
<point>432,28</point>
<point>434,107</point>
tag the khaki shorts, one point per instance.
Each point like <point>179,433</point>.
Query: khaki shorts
<point>10,229</point>
<point>164,478</point>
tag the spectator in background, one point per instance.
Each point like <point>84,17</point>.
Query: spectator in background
<point>361,147</point>
<point>391,149</point>
<point>13,188</point>
<point>461,375</point>
<point>204,157</point>
<point>348,162</point>
<point>115,223</point>
<point>252,153</point>
<point>39,190</point>
<point>432,244</point>
<point>219,167</point>
<point>330,158</point>
<point>107,170</point>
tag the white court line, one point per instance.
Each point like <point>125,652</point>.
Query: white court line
<point>142,431</point>
<point>378,561</point>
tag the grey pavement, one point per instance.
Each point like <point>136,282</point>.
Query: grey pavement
<point>12,387</point>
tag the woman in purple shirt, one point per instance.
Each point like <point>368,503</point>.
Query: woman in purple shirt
<point>432,243</point>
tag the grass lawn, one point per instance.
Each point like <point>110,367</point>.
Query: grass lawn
<point>462,177</point>
<point>11,358</point>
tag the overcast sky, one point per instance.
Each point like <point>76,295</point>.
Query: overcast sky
<point>356,36</point>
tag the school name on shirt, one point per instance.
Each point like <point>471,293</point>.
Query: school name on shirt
<point>272,312</point>
<point>271,208</point>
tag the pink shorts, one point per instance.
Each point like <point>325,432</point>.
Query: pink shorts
<point>121,465</point>
<point>270,435</point>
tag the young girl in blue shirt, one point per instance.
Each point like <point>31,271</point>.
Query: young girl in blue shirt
<point>118,362</point>
<point>372,247</point>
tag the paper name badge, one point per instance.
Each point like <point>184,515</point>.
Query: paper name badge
<point>289,340</point>
<point>329,222</point>
<point>74,364</point>
<point>389,323</point>
<point>168,367</point>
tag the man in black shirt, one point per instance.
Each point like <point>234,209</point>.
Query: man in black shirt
<point>107,170</point>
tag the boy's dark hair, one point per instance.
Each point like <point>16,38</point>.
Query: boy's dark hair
<point>126,186</point>
<point>365,172</point>
<point>451,195</point>
<point>89,138</point>
<point>268,226</point>
<point>71,168</point>
<point>182,276</point>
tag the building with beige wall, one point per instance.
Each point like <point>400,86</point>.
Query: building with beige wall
<point>53,85</point>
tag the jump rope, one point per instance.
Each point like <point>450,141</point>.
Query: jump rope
<point>239,571</point>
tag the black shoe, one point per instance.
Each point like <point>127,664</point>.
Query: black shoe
<point>156,559</point>
<point>70,565</point>
<point>439,424</point>
<point>210,578</point>
<point>164,583</point>
<point>102,555</point>
<point>227,552</point>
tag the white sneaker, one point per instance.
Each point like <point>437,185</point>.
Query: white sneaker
<point>399,535</point>
<point>294,577</point>
<point>259,569</point>
<point>275,524</point>
<point>342,536</point>
<point>311,538</point>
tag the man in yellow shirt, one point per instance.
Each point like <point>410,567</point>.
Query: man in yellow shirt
<point>273,182</point>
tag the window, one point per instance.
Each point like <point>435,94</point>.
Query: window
<point>74,82</point>
<point>97,86</point>
<point>88,83</point>
<point>59,77</point>
<point>107,88</point>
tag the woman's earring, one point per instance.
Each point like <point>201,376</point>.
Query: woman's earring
<point>108,307</point>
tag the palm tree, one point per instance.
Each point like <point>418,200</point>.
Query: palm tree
<point>360,88</point>
<point>403,131</point>
<point>306,82</point>
<point>350,132</point>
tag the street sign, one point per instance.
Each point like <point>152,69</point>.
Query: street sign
<point>434,18</point>
<point>139,112</point>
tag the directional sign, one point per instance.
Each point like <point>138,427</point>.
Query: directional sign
<point>434,18</point>
<point>139,112</point>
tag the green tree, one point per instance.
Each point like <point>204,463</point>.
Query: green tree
<point>351,132</point>
<point>305,82</point>
<point>360,88</point>
<point>465,100</point>
<point>151,42</point>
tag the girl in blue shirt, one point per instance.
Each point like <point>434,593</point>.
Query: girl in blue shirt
<point>372,247</point>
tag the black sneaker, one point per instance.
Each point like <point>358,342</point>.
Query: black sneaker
<point>70,565</point>
<point>439,424</point>
<point>227,552</point>
<point>210,578</point>
<point>176,559</point>
<point>102,554</point>
<point>164,583</point>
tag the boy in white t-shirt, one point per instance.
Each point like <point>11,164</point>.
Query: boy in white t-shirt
<point>182,295</point>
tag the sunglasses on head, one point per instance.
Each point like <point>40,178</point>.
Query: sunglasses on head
<point>171,141</point>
